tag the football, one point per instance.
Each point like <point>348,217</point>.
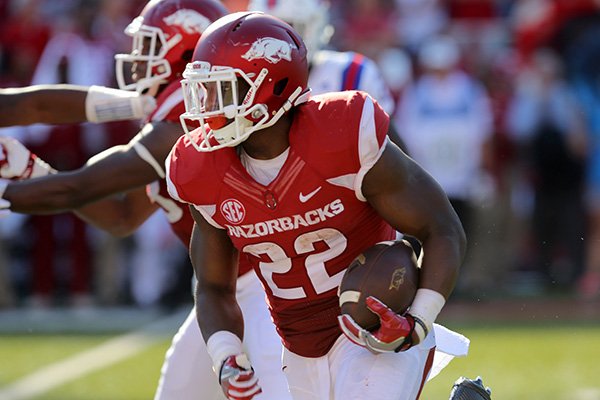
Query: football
<point>388,271</point>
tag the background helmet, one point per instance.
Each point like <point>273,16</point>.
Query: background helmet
<point>164,36</point>
<point>249,69</point>
<point>310,18</point>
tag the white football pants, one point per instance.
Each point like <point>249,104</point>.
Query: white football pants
<point>351,372</point>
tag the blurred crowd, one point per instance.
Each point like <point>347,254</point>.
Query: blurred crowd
<point>498,99</point>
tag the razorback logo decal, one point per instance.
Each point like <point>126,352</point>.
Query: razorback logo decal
<point>189,20</point>
<point>271,49</point>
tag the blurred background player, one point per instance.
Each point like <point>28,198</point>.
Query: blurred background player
<point>549,135</point>
<point>235,5</point>
<point>164,36</point>
<point>330,70</point>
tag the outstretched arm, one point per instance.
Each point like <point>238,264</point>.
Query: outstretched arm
<point>64,104</point>
<point>117,170</point>
<point>65,191</point>
<point>119,215</point>
<point>50,104</point>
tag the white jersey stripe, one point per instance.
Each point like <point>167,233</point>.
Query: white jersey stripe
<point>345,181</point>
<point>207,212</point>
<point>170,102</point>
<point>170,186</point>
<point>292,173</point>
<point>235,183</point>
<point>368,146</point>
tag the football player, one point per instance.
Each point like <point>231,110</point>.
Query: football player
<point>348,70</point>
<point>184,359</point>
<point>164,36</point>
<point>298,187</point>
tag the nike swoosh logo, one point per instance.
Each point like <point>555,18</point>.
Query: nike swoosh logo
<point>305,198</point>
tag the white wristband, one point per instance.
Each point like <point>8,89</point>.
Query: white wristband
<point>221,345</point>
<point>104,104</point>
<point>426,306</point>
<point>40,168</point>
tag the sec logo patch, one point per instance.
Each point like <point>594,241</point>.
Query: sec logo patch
<point>233,211</point>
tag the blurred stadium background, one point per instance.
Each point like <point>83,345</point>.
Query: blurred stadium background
<point>86,316</point>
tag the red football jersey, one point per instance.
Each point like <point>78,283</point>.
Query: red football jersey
<point>302,230</point>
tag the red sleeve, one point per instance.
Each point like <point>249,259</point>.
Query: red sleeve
<point>195,177</point>
<point>185,168</point>
<point>342,133</point>
<point>173,178</point>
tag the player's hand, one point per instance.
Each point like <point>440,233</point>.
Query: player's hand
<point>237,378</point>
<point>396,332</point>
<point>17,162</point>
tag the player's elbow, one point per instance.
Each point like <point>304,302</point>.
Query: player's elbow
<point>456,231</point>
<point>109,219</point>
<point>122,228</point>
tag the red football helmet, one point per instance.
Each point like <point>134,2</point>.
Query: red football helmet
<point>164,37</point>
<point>248,70</point>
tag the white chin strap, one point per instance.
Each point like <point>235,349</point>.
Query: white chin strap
<point>230,133</point>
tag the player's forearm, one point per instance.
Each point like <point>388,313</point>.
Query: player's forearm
<point>443,255</point>
<point>217,310</point>
<point>64,104</point>
<point>49,104</point>
<point>443,252</point>
<point>46,195</point>
<point>215,265</point>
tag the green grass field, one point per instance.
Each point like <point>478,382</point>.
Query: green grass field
<point>518,362</point>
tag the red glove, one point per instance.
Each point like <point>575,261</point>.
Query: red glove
<point>237,378</point>
<point>396,332</point>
